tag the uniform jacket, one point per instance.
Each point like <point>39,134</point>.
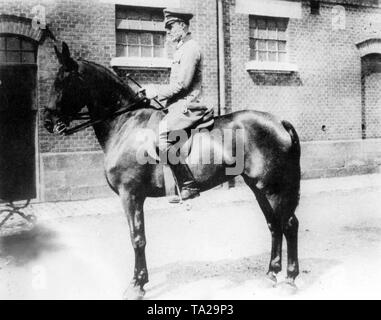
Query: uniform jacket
<point>186,75</point>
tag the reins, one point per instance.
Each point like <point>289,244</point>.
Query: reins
<point>129,107</point>
<point>85,116</point>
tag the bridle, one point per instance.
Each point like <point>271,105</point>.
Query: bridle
<point>138,103</point>
<point>86,116</point>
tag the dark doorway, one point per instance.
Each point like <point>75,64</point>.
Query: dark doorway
<point>17,125</point>
<point>371,96</point>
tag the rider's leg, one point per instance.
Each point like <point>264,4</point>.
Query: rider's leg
<point>178,166</point>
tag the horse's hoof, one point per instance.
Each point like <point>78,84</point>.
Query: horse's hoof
<point>134,293</point>
<point>287,287</point>
<point>271,278</point>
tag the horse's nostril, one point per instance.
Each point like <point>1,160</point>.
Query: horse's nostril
<point>49,125</point>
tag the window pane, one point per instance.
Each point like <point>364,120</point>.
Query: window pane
<point>133,51</point>
<point>2,43</point>
<point>120,51</point>
<point>146,51</point>
<point>158,52</point>
<point>271,24</point>
<point>158,39</point>
<point>272,56</point>
<point>261,23</point>
<point>262,56</point>
<point>253,43</point>
<point>262,34</point>
<point>282,45</point>
<point>272,45</point>
<point>13,57</point>
<point>121,37</point>
<point>146,38</point>
<point>27,45</point>
<point>132,14</point>
<point>282,25</point>
<point>13,44</point>
<point>268,38</point>
<point>28,57</point>
<point>272,34</point>
<point>120,14</point>
<point>282,57</point>
<point>253,23</point>
<point>132,38</point>
<point>281,35</point>
<point>262,45</point>
<point>2,57</point>
<point>145,15</point>
<point>253,33</point>
<point>157,16</point>
<point>253,54</point>
<point>272,30</point>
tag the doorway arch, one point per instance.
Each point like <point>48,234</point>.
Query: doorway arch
<point>18,111</point>
<point>370,53</point>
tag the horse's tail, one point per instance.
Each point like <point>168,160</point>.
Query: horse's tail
<point>295,147</point>
<point>293,171</point>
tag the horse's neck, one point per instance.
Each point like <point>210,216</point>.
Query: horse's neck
<point>107,96</point>
<point>105,129</point>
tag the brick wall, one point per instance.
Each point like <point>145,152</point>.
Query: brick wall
<point>326,91</point>
<point>203,27</point>
<point>88,27</point>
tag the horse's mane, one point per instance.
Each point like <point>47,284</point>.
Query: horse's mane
<point>111,76</point>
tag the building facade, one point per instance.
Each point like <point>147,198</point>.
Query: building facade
<point>314,63</point>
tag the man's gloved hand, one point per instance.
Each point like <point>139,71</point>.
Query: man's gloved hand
<point>149,91</point>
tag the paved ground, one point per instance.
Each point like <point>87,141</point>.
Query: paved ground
<point>218,250</point>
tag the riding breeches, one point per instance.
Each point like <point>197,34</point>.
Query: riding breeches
<point>174,125</point>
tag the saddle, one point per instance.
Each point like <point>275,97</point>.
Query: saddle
<point>206,122</point>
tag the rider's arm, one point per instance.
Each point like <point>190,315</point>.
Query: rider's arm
<point>188,64</point>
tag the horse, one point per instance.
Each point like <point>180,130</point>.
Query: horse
<point>271,156</point>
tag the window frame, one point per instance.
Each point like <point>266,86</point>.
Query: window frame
<point>147,23</point>
<point>277,65</point>
<point>21,39</point>
<point>254,36</point>
<point>140,46</point>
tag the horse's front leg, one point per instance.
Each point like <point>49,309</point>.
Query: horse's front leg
<point>133,208</point>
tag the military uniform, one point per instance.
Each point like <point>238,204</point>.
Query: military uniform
<point>182,94</point>
<point>184,89</point>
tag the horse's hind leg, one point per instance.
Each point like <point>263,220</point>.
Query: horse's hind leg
<point>290,229</point>
<point>133,208</point>
<point>275,226</point>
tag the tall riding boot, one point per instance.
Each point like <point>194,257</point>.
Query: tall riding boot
<point>185,178</point>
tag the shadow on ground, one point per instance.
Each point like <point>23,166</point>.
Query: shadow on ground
<point>27,245</point>
<point>235,272</point>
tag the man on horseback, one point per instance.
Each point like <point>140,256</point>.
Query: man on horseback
<point>183,91</point>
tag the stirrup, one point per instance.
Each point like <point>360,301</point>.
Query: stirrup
<point>186,194</point>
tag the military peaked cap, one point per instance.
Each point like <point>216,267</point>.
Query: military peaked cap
<point>172,15</point>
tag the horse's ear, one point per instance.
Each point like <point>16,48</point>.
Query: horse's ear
<point>68,62</point>
<point>58,54</point>
<point>65,50</point>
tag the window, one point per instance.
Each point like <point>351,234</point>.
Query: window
<point>140,32</point>
<point>268,39</point>
<point>16,50</point>
<point>139,44</point>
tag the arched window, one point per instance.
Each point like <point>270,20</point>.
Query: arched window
<point>17,50</point>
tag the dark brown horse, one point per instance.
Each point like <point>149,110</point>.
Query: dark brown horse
<point>270,159</point>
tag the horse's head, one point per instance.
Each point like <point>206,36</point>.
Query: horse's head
<point>68,95</point>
